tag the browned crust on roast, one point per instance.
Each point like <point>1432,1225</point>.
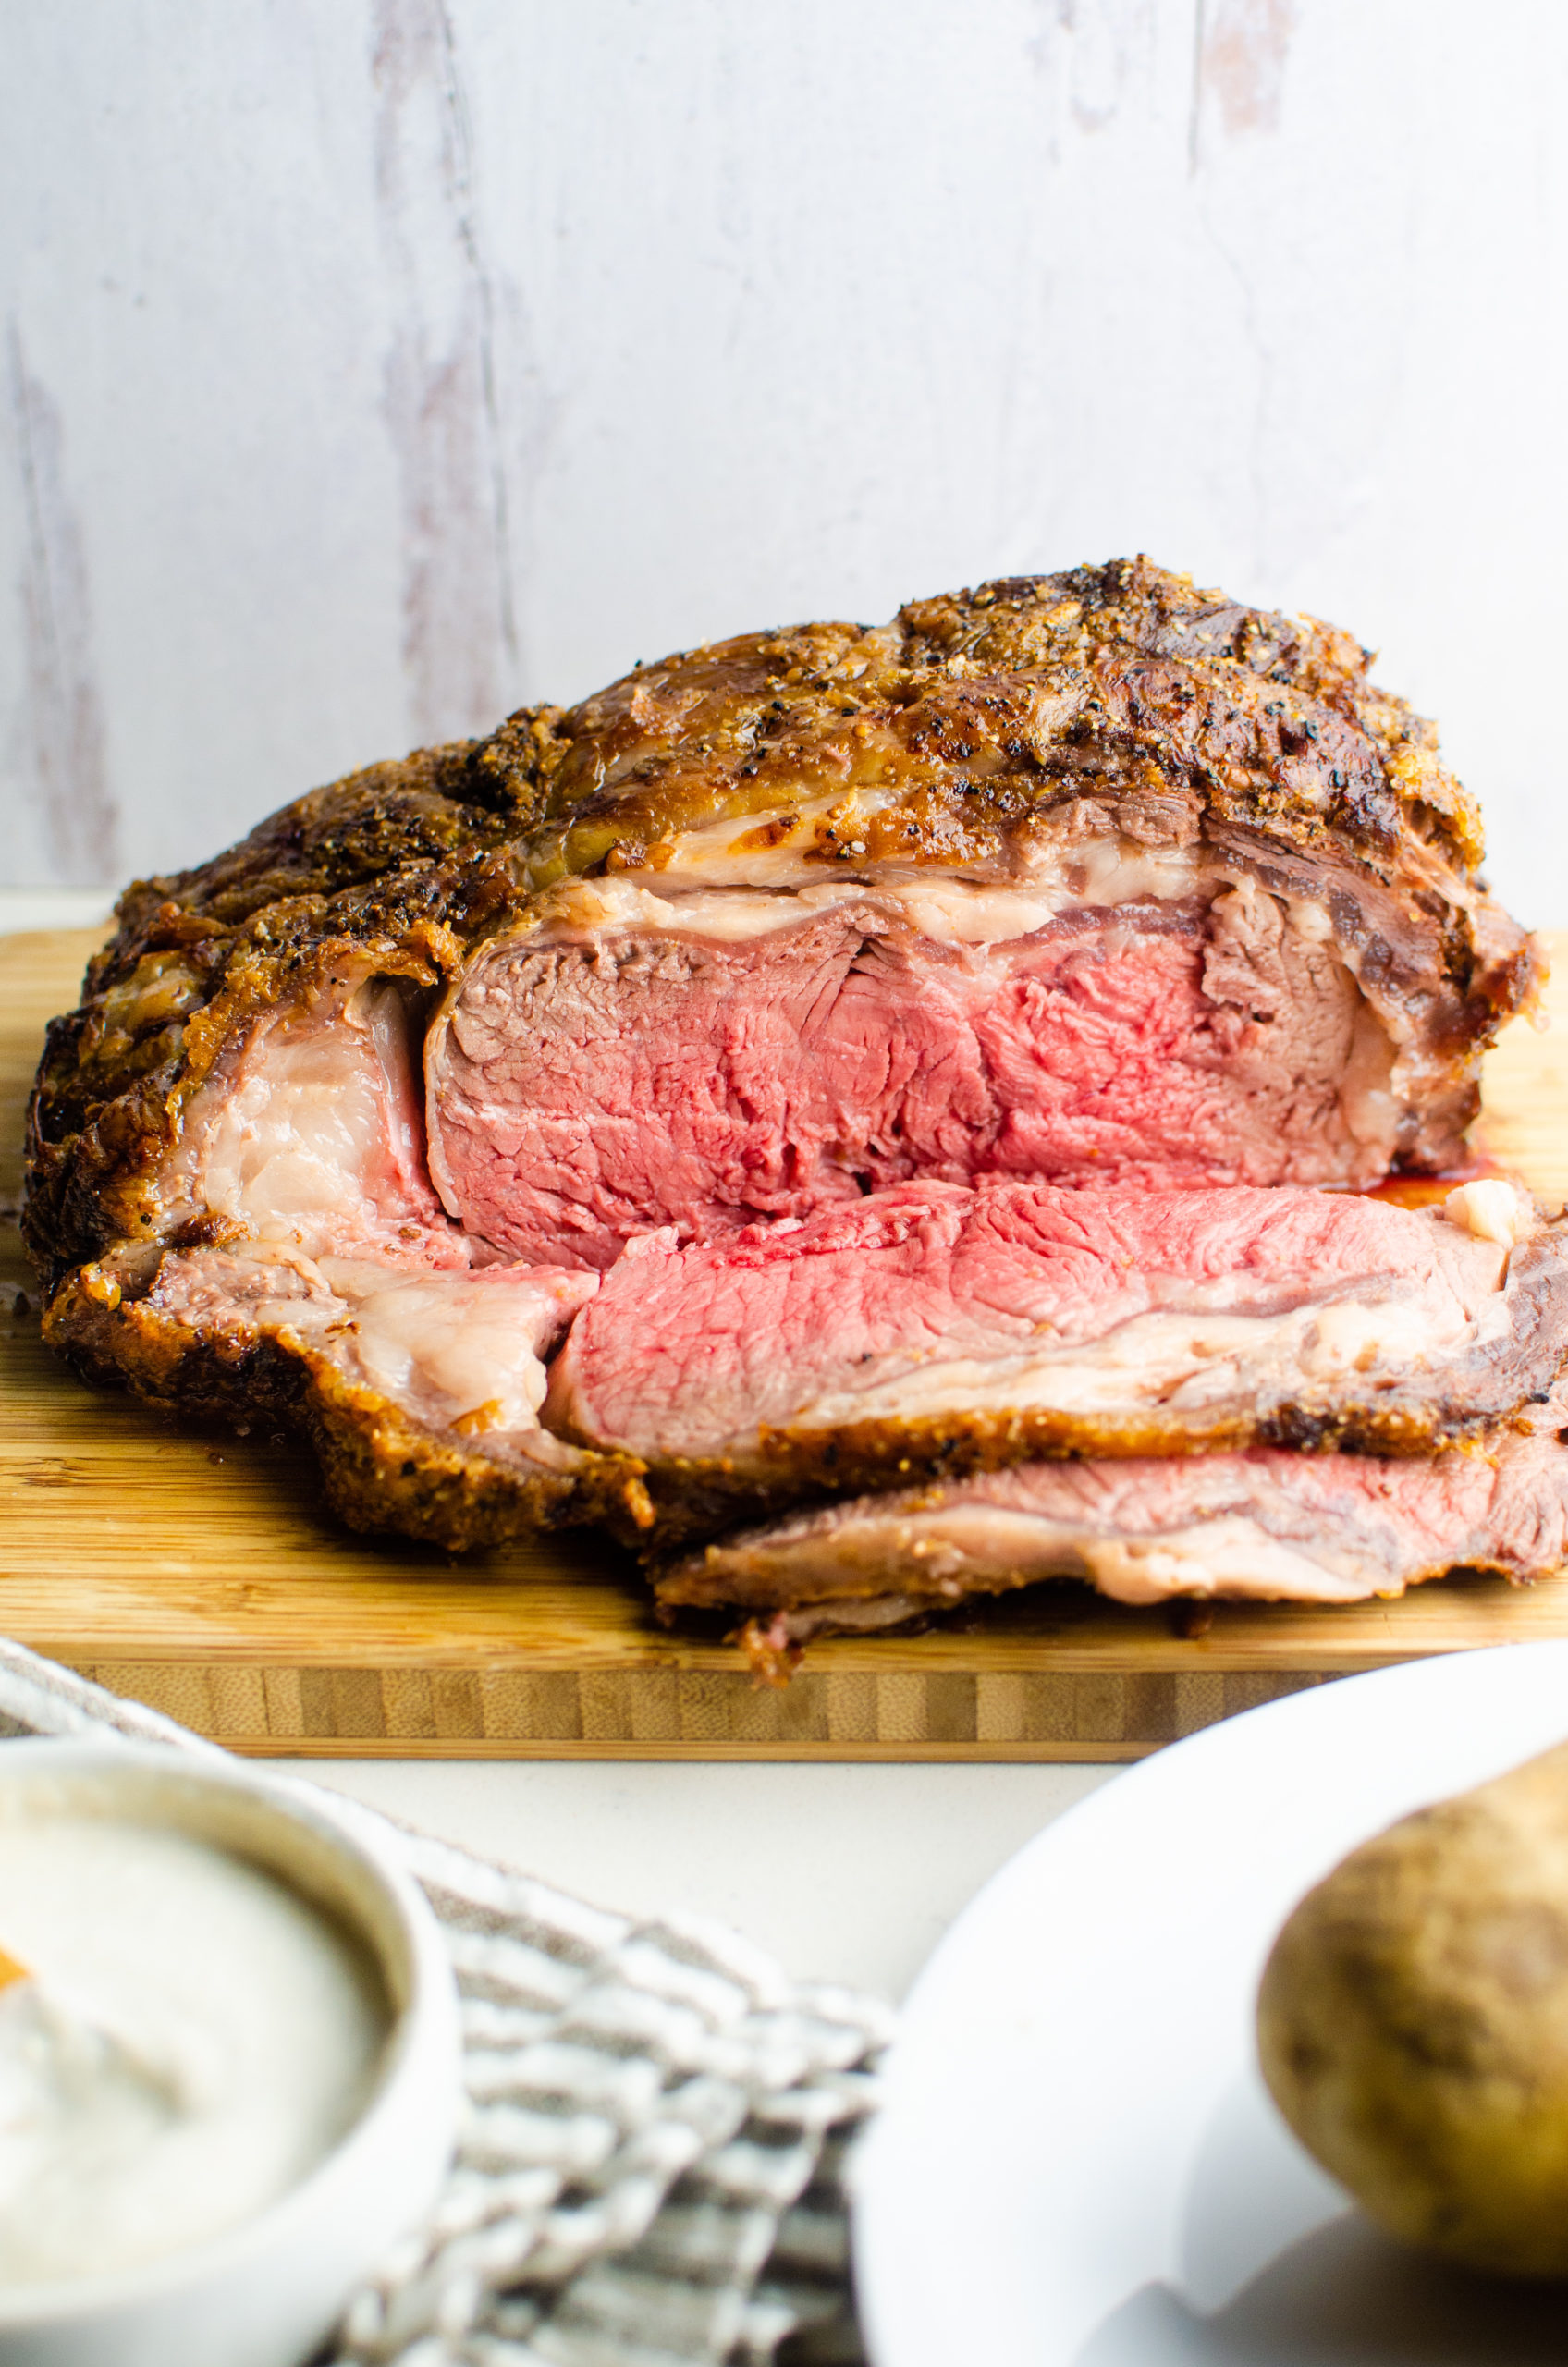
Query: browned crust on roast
<point>987,709</point>
<point>389,867</point>
<point>694,1498</point>
<point>381,1471</point>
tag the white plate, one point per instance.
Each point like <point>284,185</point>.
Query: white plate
<point>1077,2165</point>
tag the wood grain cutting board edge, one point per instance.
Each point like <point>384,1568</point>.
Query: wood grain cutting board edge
<point>202,1575</point>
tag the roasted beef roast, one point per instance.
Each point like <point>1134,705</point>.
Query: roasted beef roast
<point>833,1058</point>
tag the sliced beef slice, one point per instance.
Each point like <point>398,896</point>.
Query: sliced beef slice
<point>1261,1526</point>
<point>938,1328</point>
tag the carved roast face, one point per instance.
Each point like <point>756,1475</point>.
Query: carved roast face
<point>835,1059</point>
<point>711,1060</point>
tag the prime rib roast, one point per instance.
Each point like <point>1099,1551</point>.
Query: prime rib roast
<point>917,1087</point>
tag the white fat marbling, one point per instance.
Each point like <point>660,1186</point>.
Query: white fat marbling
<point>312,1138</point>
<point>1178,1362</point>
<point>1228,1556</point>
<point>1491,1209</point>
<point>731,898</point>
<point>467,1348</point>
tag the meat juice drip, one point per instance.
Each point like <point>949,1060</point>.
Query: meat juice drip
<point>1431,1190</point>
<point>186,2040</point>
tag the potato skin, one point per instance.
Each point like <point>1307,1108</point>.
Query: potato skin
<point>1412,2024</point>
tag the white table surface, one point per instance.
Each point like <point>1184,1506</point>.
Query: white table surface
<point>847,1872</point>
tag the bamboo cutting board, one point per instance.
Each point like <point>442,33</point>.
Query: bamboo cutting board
<point>203,1574</point>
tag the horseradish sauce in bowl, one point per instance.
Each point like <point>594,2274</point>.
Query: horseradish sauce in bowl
<point>228,2059</point>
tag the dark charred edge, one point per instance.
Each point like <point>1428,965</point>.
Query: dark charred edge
<point>375,827</point>
<point>381,1470</point>
<point>1138,605</point>
<point>236,1381</point>
<point>80,1151</point>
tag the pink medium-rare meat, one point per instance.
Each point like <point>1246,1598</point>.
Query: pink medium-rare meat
<point>935,1326</point>
<point>1078,880</point>
<point>1263,1526</point>
<point>587,1083</point>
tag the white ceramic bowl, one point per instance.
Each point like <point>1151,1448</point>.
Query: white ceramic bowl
<point>267,2293</point>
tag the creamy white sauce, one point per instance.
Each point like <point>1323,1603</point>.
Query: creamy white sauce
<point>195,2038</point>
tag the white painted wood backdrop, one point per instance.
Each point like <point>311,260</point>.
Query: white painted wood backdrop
<point>373,365</point>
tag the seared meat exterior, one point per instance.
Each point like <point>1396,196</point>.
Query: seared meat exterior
<point>1262,1526</point>
<point>1090,879</point>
